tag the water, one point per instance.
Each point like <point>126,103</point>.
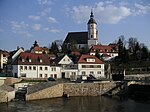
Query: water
<point>77,104</point>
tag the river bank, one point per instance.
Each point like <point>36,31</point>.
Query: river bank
<point>77,104</point>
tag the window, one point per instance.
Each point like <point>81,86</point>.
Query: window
<point>91,36</point>
<point>98,66</point>
<point>73,73</point>
<point>45,75</point>
<point>30,60</point>
<point>83,73</point>
<point>64,60</point>
<point>23,75</point>
<point>25,67</point>
<point>41,68</point>
<point>21,67</point>
<point>91,66</point>
<point>68,59</point>
<point>34,68</point>
<point>91,72</point>
<point>51,75</point>
<point>53,69</point>
<point>40,75</point>
<point>83,66</point>
<point>55,76</point>
<point>22,60</point>
<point>41,61</point>
<point>99,72</point>
<point>46,68</point>
<point>30,68</point>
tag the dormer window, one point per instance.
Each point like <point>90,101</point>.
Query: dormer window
<point>30,60</point>
<point>41,60</point>
<point>90,60</point>
<point>22,60</point>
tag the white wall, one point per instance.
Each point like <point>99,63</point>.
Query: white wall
<point>65,60</point>
<point>94,70</point>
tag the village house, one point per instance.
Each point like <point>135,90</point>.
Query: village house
<point>106,52</point>
<point>32,65</point>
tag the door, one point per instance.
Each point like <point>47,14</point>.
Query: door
<point>63,75</point>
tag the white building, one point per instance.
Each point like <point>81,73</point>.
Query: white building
<point>31,65</point>
<point>91,65</point>
<point>68,68</point>
<point>106,52</point>
<point>3,58</point>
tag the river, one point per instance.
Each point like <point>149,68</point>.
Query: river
<point>77,104</point>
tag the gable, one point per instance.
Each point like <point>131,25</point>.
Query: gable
<point>65,60</point>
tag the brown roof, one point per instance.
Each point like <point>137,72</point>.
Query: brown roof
<point>102,49</point>
<point>76,53</point>
<point>24,57</point>
<point>36,48</point>
<point>83,59</point>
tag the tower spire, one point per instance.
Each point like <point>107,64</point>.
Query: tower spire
<point>91,16</point>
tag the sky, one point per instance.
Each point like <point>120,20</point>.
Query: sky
<point>24,21</point>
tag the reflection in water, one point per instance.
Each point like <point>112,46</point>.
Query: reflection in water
<point>76,104</point>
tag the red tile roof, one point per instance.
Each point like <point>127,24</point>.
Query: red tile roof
<point>35,59</point>
<point>102,49</point>
<point>83,59</point>
<point>76,53</point>
<point>36,48</point>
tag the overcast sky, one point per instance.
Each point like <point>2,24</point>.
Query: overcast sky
<point>24,21</point>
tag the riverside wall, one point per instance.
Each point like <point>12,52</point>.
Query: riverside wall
<point>51,92</point>
<point>72,89</point>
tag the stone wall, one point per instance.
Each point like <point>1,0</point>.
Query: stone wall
<point>72,89</point>
<point>6,96</point>
<point>11,80</point>
<point>51,92</point>
<point>87,89</point>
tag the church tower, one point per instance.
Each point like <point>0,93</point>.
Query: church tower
<point>92,31</point>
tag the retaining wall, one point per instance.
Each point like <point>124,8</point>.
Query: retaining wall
<point>72,89</point>
<point>51,92</point>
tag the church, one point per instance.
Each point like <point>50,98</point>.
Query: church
<point>90,39</point>
<point>82,39</point>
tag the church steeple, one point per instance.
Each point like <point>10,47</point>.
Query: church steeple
<point>92,20</point>
<point>92,31</point>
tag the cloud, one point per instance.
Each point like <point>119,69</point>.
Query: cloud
<point>36,26</point>
<point>46,11</point>
<point>46,5</point>
<point>105,13</point>
<point>55,30</point>
<point>45,2</point>
<point>34,17</point>
<point>51,20</point>
<point>51,30</point>
<point>141,9</point>
<point>20,28</point>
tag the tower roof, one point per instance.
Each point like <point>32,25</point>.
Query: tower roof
<point>92,20</point>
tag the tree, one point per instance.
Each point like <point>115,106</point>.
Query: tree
<point>131,44</point>
<point>54,48</point>
<point>120,47</point>
<point>144,52</point>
